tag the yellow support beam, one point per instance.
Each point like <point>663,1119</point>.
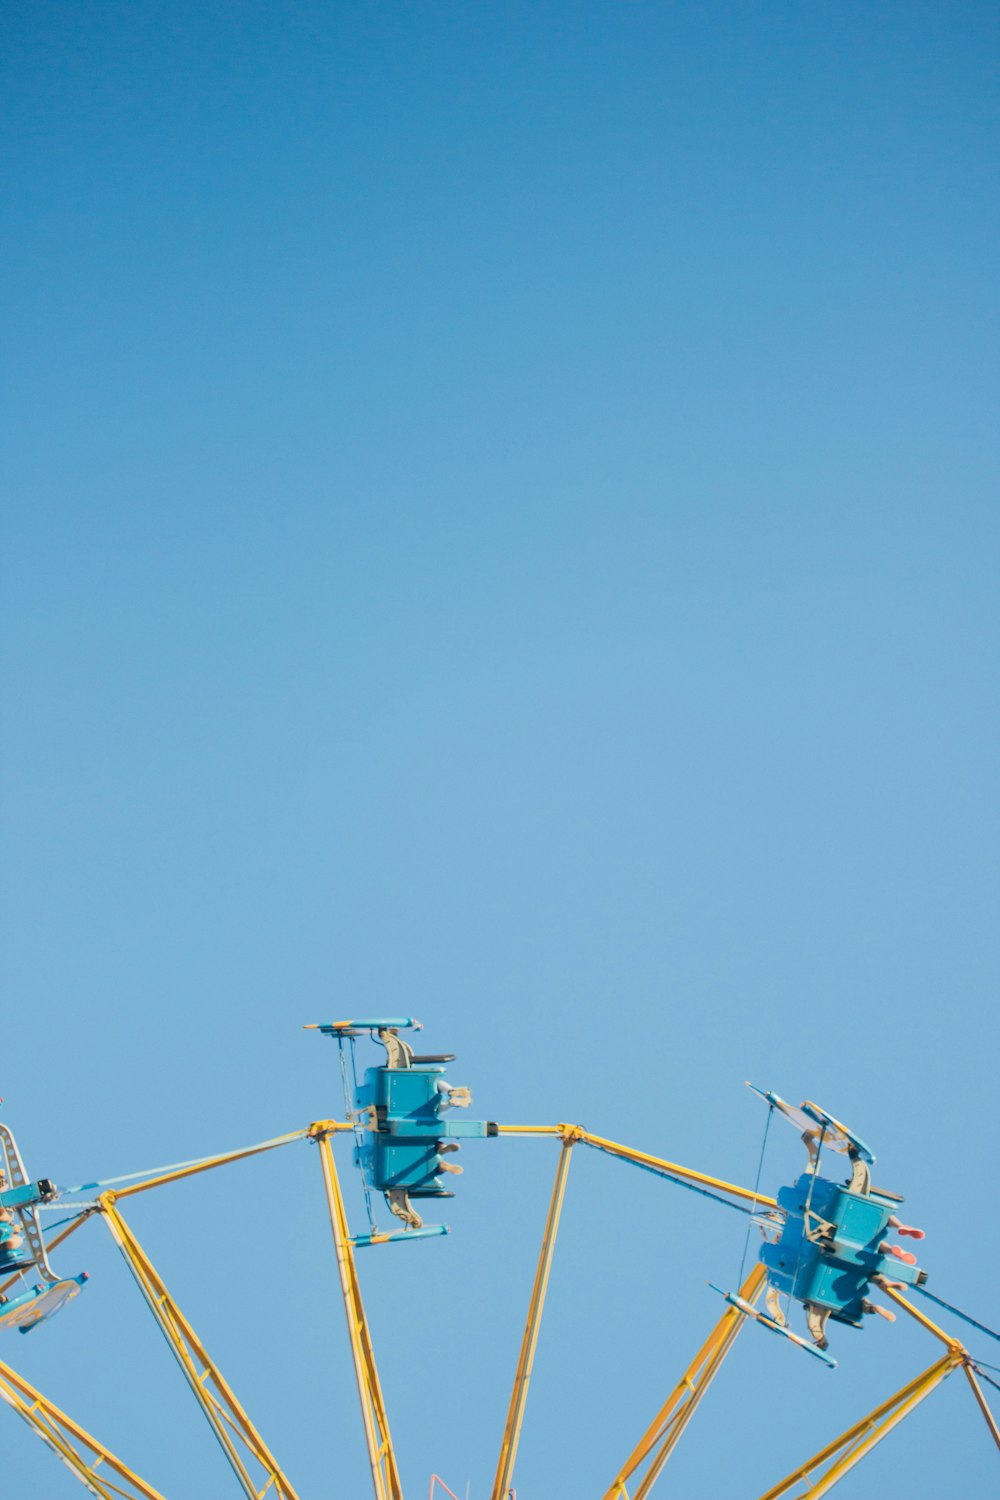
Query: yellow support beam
<point>237,1435</point>
<point>381,1456</point>
<point>853,1445</point>
<point>224,1159</point>
<point>643,1159</point>
<point>526,1359</point>
<point>957,1349</point>
<point>661,1437</point>
<point>191,1170</point>
<point>672,1169</point>
<point>977,1391</point>
<point>95,1466</point>
<point>891,1289</point>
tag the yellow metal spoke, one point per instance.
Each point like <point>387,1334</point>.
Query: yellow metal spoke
<point>957,1349</point>
<point>892,1291</point>
<point>663,1433</point>
<point>672,1169</point>
<point>643,1159</point>
<point>79,1451</point>
<point>234,1430</point>
<point>209,1165</point>
<point>977,1391</point>
<point>522,1378</point>
<point>853,1445</point>
<point>381,1456</point>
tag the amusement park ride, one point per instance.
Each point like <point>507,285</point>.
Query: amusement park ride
<point>825,1247</point>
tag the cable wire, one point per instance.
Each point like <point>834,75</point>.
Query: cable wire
<point>178,1166</point>
<point>957,1311</point>
<point>756,1193</point>
<point>677,1181</point>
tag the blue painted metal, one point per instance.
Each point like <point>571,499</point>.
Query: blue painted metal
<point>403,1129</point>
<point>26,1311</point>
<point>404,1150</point>
<point>832,1265</point>
<point>378,1023</point>
<point>735,1300</point>
<point>807,1116</point>
<point>426,1231</point>
<point>828,1240</point>
<point>11,1257</point>
<point>22,1247</point>
<point>31,1192</point>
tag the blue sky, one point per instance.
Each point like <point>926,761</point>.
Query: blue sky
<point>500,524</point>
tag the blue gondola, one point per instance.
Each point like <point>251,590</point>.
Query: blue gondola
<point>828,1240</point>
<point>22,1248</point>
<point>405,1136</point>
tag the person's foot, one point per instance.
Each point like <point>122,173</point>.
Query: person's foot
<point>883,1312</point>
<point>904,1255</point>
<point>904,1229</point>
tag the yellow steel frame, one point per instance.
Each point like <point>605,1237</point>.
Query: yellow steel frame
<point>93,1464</point>
<point>107,1477</point>
<point>381,1456</point>
<point>956,1350</point>
<point>234,1430</point>
<point>663,1433</point>
<point>526,1358</point>
<point>660,1439</point>
<point>840,1456</point>
<point>853,1445</point>
<point>643,1159</point>
<point>670,1423</point>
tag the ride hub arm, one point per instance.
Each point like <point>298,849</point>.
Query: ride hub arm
<point>663,1433</point>
<point>853,1445</point>
<point>95,1466</point>
<point>381,1455</point>
<point>235,1432</point>
<point>701,1181</point>
<point>955,1347</point>
<point>529,1342</point>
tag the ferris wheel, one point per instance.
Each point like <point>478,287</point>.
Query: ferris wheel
<point>829,1249</point>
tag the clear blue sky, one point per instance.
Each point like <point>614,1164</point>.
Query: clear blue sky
<point>500,523</point>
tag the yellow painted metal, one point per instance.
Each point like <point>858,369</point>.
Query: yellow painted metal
<point>223,1160</point>
<point>526,1359</point>
<point>957,1349</point>
<point>628,1153</point>
<point>243,1445</point>
<point>892,1291</point>
<point>663,1433</point>
<point>94,1465</point>
<point>381,1456</point>
<point>853,1445</point>
<point>977,1391</point>
<point>108,1478</point>
<point>672,1169</point>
